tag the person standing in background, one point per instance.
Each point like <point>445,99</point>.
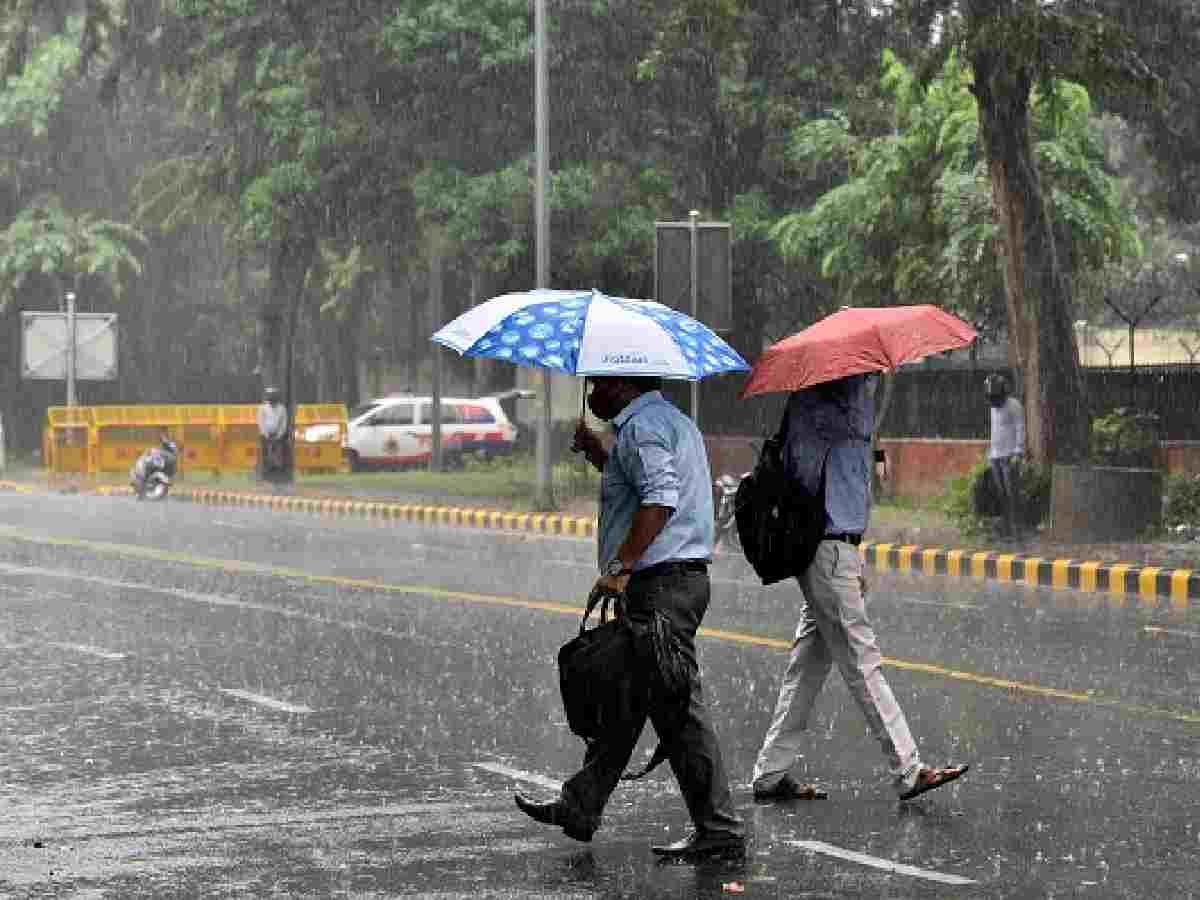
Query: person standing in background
<point>272,418</point>
<point>1007,449</point>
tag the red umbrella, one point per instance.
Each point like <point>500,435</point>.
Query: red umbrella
<point>854,341</point>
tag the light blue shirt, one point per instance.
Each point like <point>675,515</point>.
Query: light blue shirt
<point>829,427</point>
<point>658,460</point>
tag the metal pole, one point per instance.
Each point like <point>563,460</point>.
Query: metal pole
<point>693,216</point>
<point>545,492</point>
<point>1132,389</point>
<point>435,295</point>
<point>71,348</point>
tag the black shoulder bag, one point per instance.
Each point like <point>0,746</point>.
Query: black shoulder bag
<point>597,674</point>
<point>609,673</point>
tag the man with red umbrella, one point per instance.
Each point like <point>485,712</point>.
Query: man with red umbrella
<point>827,449</point>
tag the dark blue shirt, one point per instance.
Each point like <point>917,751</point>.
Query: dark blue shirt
<point>829,428</point>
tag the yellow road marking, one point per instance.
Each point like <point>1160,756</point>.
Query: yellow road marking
<point>737,637</point>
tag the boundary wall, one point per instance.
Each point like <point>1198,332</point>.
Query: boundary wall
<point>921,467</point>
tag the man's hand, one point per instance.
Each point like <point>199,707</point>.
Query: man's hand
<point>588,443</point>
<point>609,586</point>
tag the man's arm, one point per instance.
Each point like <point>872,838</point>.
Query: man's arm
<point>648,523</point>
<point>588,443</point>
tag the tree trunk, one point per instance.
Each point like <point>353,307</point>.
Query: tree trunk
<point>1037,288</point>
<point>289,265</point>
<point>353,345</point>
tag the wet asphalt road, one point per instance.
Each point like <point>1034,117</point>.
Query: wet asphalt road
<point>218,702</point>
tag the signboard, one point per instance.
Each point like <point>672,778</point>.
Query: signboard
<point>714,267</point>
<point>44,345</point>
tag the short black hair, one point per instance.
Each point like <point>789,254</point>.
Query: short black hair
<point>645,383</point>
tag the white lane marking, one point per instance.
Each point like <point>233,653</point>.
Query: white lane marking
<point>877,862</point>
<point>269,702</point>
<point>951,604</point>
<point>519,775</point>
<point>222,600</point>
<point>89,650</point>
<point>1154,629</point>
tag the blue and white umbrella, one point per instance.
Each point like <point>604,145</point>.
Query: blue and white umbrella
<point>588,333</point>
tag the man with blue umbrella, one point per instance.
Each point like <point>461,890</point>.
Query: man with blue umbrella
<point>656,525</point>
<point>655,544</point>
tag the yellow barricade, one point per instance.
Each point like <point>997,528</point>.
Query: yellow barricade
<point>316,449</point>
<point>65,445</point>
<point>213,437</point>
<point>239,438</point>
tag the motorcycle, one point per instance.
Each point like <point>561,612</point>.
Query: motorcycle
<point>151,475</point>
<point>724,495</point>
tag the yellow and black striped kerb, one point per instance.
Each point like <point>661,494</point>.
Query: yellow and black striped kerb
<point>1180,586</point>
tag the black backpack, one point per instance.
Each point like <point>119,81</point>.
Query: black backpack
<point>779,522</point>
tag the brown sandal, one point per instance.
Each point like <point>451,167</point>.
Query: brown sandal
<point>928,779</point>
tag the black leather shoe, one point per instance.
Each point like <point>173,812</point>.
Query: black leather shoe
<point>698,845</point>
<point>557,813</point>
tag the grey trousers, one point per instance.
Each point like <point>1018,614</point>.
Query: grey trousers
<point>1004,470</point>
<point>696,756</point>
<point>834,628</point>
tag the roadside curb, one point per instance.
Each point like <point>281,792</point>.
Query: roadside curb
<point>17,487</point>
<point>1180,587</point>
<point>1149,583</point>
<point>464,517</point>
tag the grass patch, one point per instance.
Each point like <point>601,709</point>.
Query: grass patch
<point>908,513</point>
<point>510,482</point>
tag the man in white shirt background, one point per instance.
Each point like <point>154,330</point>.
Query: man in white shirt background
<point>272,418</point>
<point>1008,447</point>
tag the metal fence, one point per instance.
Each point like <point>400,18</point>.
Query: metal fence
<point>949,403</point>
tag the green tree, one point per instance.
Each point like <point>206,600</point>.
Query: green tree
<point>915,219</point>
<point>1013,45</point>
<point>45,239</point>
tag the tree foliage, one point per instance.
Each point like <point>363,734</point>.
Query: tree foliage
<point>44,238</point>
<point>292,163</point>
<point>914,221</point>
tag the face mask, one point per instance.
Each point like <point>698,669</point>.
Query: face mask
<point>598,407</point>
<point>603,403</point>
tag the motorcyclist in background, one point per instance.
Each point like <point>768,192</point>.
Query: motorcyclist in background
<point>164,458</point>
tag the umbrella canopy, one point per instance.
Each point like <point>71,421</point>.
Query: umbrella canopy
<point>854,341</point>
<point>589,333</point>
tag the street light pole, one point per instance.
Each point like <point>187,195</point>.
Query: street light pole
<point>693,218</point>
<point>545,495</point>
<point>71,399</point>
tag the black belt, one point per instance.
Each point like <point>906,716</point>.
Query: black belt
<point>672,567</point>
<point>845,537</point>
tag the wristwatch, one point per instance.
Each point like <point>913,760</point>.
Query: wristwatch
<point>615,568</point>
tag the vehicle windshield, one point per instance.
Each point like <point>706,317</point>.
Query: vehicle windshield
<point>362,409</point>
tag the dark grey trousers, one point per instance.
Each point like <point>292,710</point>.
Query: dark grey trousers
<point>1004,471</point>
<point>682,595</point>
